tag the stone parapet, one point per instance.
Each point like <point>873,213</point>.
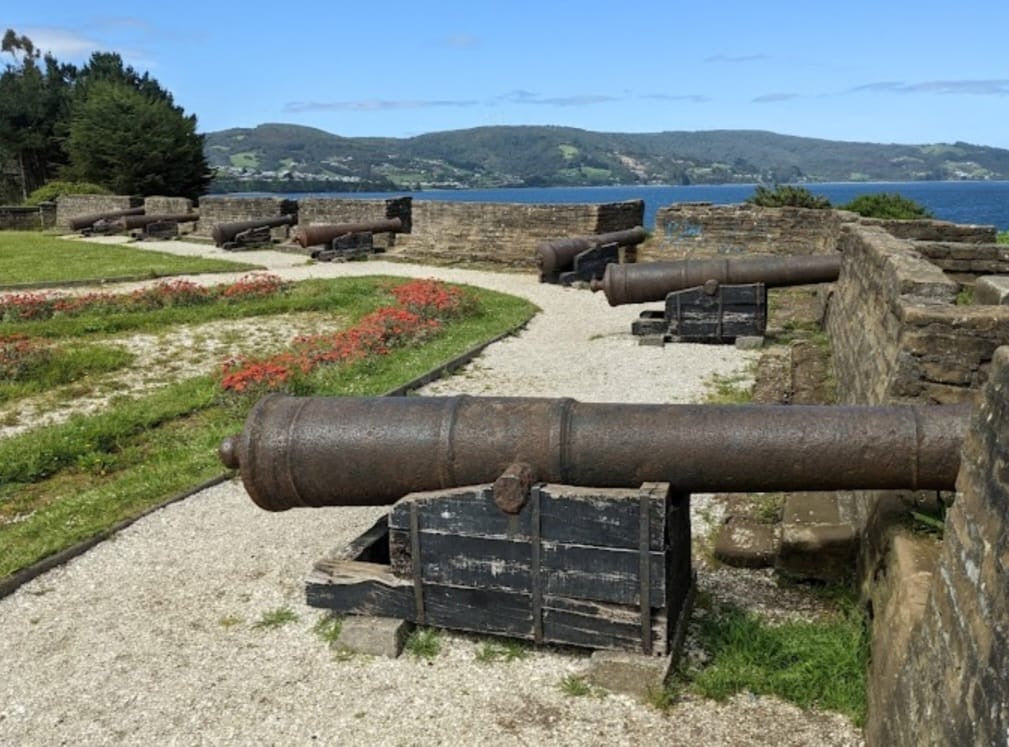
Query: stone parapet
<point>72,206</point>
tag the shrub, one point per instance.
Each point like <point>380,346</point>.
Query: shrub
<point>49,191</point>
<point>787,196</point>
<point>886,205</point>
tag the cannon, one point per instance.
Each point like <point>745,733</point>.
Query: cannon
<point>653,281</point>
<point>82,222</point>
<point>325,233</point>
<point>583,257</point>
<point>318,451</point>
<point>245,232</point>
<point>709,300</point>
<point>161,225</point>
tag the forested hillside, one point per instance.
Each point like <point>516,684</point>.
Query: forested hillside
<point>294,157</point>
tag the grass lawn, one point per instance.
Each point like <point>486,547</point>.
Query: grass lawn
<point>64,483</point>
<point>31,257</point>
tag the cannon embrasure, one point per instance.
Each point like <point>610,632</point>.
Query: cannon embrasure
<point>345,240</point>
<point>82,222</point>
<point>246,233</point>
<point>710,300</point>
<point>584,257</point>
<point>319,451</point>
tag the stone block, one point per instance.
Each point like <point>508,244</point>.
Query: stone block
<point>749,342</point>
<point>375,636</point>
<point>991,290</point>
<point>747,544</point>
<point>818,541</point>
<point>629,673</point>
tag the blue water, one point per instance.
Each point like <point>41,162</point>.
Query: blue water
<point>984,203</point>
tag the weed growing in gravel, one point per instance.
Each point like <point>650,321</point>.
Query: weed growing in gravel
<point>276,618</point>
<point>730,389</point>
<point>576,686</point>
<point>491,651</point>
<point>423,643</point>
<point>230,621</point>
<point>328,628</point>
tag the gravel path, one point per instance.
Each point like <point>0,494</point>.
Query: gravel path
<point>151,637</point>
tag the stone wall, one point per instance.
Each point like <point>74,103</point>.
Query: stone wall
<point>168,205</point>
<point>314,210</point>
<point>933,230</point>
<point>224,209</point>
<point>951,688</point>
<point>693,229</point>
<point>72,206</point>
<point>897,334</point>
<point>505,233</point>
<point>27,217</point>
<point>966,258</point>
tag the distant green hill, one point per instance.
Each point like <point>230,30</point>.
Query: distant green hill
<point>295,158</point>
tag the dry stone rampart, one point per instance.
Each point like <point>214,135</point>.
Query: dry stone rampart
<point>72,206</point>
<point>692,229</point>
<point>226,209</point>
<point>505,233</point>
<point>168,205</point>
<point>950,687</point>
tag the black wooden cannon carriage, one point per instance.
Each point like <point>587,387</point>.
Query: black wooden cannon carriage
<point>249,234</point>
<point>584,258</point>
<point>710,300</point>
<point>555,520</point>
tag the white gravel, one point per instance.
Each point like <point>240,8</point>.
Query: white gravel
<point>150,638</point>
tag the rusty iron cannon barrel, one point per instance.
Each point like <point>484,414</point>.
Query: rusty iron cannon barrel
<point>320,451</point>
<point>226,232</point>
<point>653,281</point>
<point>324,233</point>
<point>86,221</point>
<point>559,254</point>
<point>130,222</point>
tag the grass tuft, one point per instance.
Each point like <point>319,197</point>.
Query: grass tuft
<point>328,628</point>
<point>423,643</point>
<point>275,618</point>
<point>576,686</point>
<point>491,651</point>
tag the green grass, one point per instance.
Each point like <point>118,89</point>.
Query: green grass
<point>423,643</point>
<point>64,366</point>
<point>812,664</point>
<point>32,257</point>
<point>506,650</point>
<point>576,686</point>
<point>64,483</point>
<point>275,618</point>
<point>328,628</point>
<point>730,389</point>
<point>1002,237</point>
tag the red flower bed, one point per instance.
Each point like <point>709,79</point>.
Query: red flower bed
<point>422,306</point>
<point>18,307</point>
<point>19,355</point>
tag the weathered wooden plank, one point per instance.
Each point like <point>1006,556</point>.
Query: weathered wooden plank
<point>587,516</point>
<point>577,571</point>
<point>580,623</point>
<point>353,587</point>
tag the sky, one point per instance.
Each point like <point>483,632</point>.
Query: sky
<point>883,72</point>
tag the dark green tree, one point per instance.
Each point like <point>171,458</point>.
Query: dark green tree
<point>784,195</point>
<point>35,97</point>
<point>135,142</point>
<point>887,205</point>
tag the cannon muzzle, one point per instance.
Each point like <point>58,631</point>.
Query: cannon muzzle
<point>322,451</point>
<point>653,281</point>
<point>559,254</point>
<point>226,232</point>
<point>324,233</point>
